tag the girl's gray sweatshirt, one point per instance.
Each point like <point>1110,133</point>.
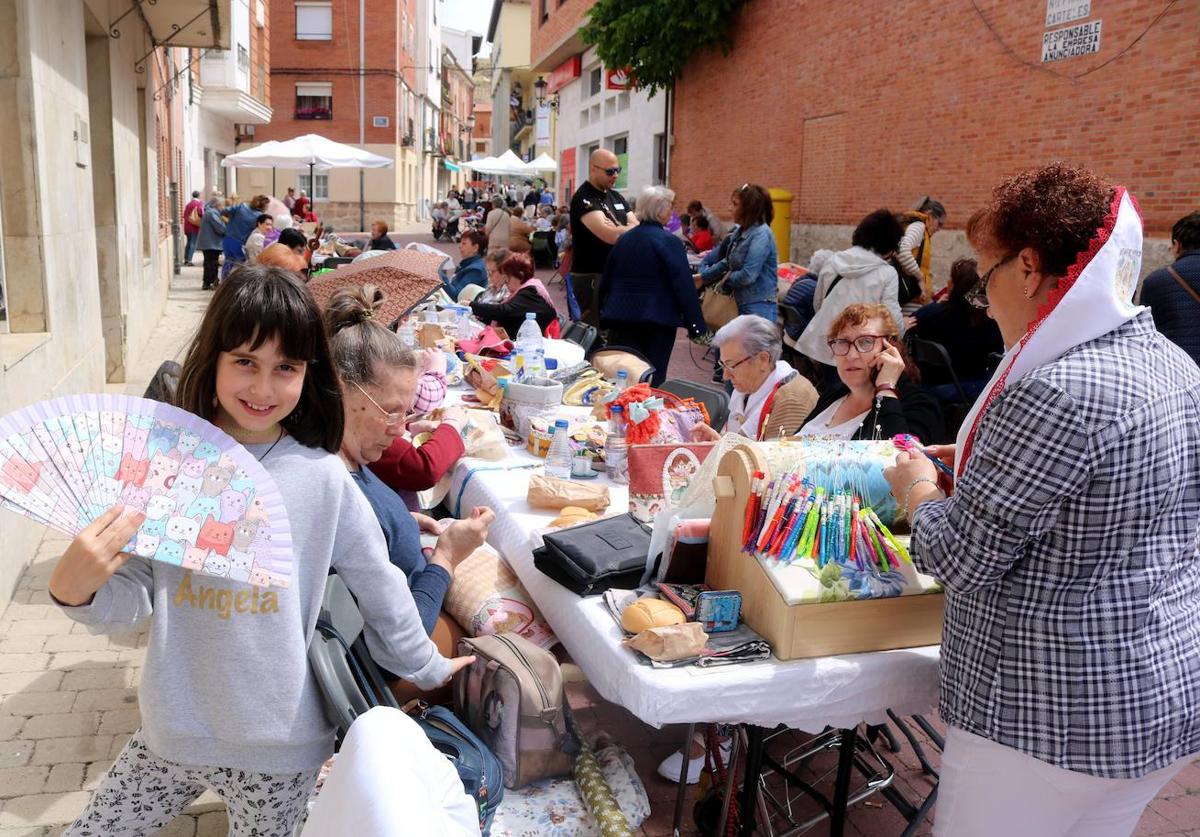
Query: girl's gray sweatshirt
<point>227,681</point>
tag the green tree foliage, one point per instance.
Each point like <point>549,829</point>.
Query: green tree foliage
<point>656,38</point>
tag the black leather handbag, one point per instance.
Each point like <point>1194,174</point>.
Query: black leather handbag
<point>596,556</point>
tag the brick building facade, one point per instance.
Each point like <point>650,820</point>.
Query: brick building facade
<point>855,106</point>
<point>316,70</point>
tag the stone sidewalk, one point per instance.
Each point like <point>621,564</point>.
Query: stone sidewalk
<point>68,700</point>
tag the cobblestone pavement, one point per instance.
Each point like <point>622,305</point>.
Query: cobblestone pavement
<point>68,701</point>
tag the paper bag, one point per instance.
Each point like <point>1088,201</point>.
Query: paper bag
<point>670,642</point>
<point>552,493</point>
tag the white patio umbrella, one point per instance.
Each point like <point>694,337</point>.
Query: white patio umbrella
<point>510,163</point>
<point>312,152</point>
<point>542,164</point>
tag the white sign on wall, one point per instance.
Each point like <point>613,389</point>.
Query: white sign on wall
<point>1071,42</point>
<point>542,129</point>
<point>1065,11</point>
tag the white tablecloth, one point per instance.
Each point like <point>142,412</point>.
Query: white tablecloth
<point>804,694</point>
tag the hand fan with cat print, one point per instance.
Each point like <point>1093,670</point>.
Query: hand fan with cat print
<point>210,506</point>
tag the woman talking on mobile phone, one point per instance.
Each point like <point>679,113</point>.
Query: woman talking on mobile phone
<point>878,394</point>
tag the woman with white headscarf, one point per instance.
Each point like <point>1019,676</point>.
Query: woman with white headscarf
<point>1070,675</point>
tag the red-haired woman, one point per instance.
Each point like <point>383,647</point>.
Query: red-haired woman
<point>525,295</point>
<point>1070,661</point>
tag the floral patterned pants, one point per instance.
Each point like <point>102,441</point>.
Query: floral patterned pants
<point>142,793</point>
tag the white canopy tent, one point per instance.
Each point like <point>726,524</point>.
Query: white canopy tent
<point>507,163</point>
<point>312,152</point>
<point>542,164</point>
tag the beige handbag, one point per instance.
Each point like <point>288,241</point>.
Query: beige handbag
<point>718,308</point>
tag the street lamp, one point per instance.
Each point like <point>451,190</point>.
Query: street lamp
<point>539,89</point>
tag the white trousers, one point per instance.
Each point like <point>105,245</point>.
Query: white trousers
<point>989,790</point>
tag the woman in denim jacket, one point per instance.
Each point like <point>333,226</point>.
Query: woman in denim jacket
<point>747,257</point>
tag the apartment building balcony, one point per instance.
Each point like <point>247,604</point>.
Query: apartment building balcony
<point>204,24</point>
<point>231,87</point>
<point>522,125</point>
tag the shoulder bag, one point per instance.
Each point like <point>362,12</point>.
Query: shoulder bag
<point>716,303</point>
<point>1183,284</point>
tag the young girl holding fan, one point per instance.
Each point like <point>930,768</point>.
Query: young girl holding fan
<point>227,698</point>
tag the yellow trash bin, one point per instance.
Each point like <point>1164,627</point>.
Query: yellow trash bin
<point>782,225</point>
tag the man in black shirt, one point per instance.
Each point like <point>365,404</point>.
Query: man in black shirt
<point>599,216</point>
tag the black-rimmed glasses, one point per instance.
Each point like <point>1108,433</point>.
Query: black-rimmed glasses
<point>864,343</point>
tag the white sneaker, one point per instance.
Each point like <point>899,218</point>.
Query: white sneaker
<point>669,768</point>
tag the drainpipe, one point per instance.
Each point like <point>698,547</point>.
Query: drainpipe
<point>668,134</point>
<point>362,110</point>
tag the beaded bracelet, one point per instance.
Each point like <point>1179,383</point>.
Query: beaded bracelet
<point>911,486</point>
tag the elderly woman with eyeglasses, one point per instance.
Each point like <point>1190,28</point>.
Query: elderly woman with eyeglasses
<point>379,384</point>
<point>877,395</point>
<point>770,398</point>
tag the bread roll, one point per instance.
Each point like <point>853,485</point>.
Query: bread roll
<point>648,613</point>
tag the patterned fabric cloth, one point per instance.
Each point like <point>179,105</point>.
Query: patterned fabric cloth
<point>1069,556</point>
<point>554,808</point>
<point>431,392</point>
<point>143,792</point>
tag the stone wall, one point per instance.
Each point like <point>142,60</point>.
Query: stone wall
<point>79,311</point>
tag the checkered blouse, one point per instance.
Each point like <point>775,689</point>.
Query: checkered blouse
<point>1069,554</point>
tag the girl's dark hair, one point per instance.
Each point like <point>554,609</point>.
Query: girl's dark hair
<point>1055,210</point>
<point>478,238</point>
<point>518,266</point>
<point>701,222</point>
<point>1187,231</point>
<point>263,217</point>
<point>253,305</point>
<point>292,237</point>
<point>359,343</point>
<point>963,277</point>
<point>879,232</point>
<point>754,205</point>
<point>695,208</point>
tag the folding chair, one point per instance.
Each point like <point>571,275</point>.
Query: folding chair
<point>645,376</point>
<point>349,680</point>
<point>715,400</point>
<point>582,335</point>
<point>563,269</point>
<point>162,386</point>
<point>930,356</point>
<point>542,251</point>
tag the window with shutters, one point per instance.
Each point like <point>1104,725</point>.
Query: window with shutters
<point>314,100</point>
<point>314,21</point>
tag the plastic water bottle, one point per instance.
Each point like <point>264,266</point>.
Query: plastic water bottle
<point>558,459</point>
<point>616,449</point>
<point>531,350</point>
<point>431,313</point>
<point>622,381</point>
<point>408,336</point>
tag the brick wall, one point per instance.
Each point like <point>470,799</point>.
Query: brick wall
<point>335,61</point>
<point>856,106</point>
<point>563,18</point>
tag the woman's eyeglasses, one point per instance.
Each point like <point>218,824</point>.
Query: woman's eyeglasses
<point>864,343</point>
<point>977,296</point>
<point>390,419</point>
<point>729,367</point>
